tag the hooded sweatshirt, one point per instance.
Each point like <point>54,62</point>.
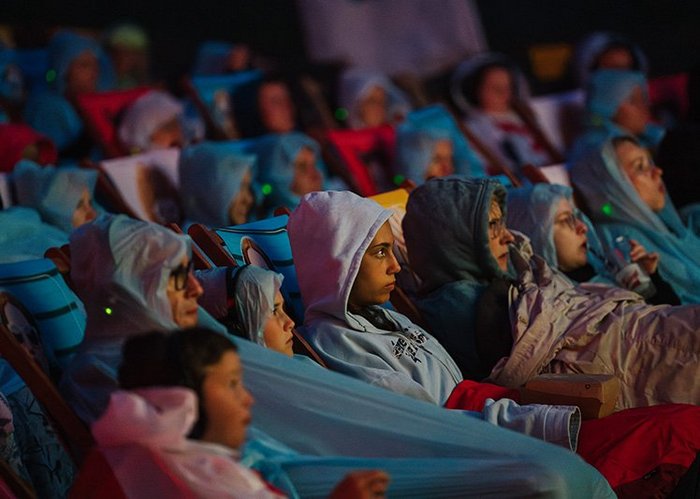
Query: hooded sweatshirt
<point>210,177</point>
<point>120,269</point>
<point>616,209</point>
<point>555,326</point>
<point>329,233</point>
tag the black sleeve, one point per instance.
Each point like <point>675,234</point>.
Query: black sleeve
<point>494,338</point>
<point>665,295</point>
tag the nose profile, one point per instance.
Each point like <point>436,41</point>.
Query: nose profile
<point>194,287</point>
<point>394,266</point>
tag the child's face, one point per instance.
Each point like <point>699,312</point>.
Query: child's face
<point>307,178</point>
<point>278,328</point>
<point>615,58</point>
<point>242,202</point>
<point>634,114</point>
<point>570,239</point>
<point>372,107</point>
<point>495,92</point>
<point>376,278</point>
<point>441,164</point>
<point>83,74</point>
<point>643,174</point>
<point>169,134</point>
<point>226,402</point>
<point>84,211</point>
<point>276,107</point>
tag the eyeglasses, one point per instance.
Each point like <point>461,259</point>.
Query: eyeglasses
<point>571,220</point>
<point>496,227</point>
<point>180,274</point>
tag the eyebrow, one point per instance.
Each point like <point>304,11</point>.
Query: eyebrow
<point>381,245</point>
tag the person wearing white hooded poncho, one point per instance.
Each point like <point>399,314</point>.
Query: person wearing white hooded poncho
<point>370,98</point>
<point>624,194</point>
<point>153,121</point>
<point>133,277</point>
<point>215,184</point>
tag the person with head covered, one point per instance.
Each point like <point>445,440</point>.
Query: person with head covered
<point>624,194</point>
<point>371,99</point>
<point>506,315</point>
<point>430,144</point>
<point>565,238</point>
<point>617,103</point>
<point>153,121</point>
<point>215,184</point>
<point>75,69</point>
<point>133,277</point>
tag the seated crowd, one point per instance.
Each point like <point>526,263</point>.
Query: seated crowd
<point>372,387</point>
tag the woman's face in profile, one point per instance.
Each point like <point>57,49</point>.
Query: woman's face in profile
<point>242,202</point>
<point>643,174</point>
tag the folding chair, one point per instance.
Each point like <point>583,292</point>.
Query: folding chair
<point>38,285</point>
<point>560,116</point>
<point>363,158</point>
<point>101,112</point>
<point>212,97</point>
<point>144,186</point>
<point>16,351</point>
<point>551,174</point>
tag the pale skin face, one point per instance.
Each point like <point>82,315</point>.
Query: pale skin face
<point>169,134</point>
<point>616,58</point>
<point>441,163</point>
<point>570,242</point>
<point>643,174</point>
<point>372,107</point>
<point>499,237</point>
<point>276,107</point>
<point>278,328</point>
<point>307,178</point>
<point>634,114</point>
<point>242,202</point>
<point>496,91</point>
<point>376,278</point>
<point>84,211</point>
<point>82,74</point>
<point>183,302</point>
<point>226,402</point>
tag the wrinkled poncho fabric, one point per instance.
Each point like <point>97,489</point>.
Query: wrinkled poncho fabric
<point>592,47</point>
<point>607,90</point>
<point>53,192</point>
<point>556,326</point>
<point>616,209</point>
<point>120,269</point>
<point>210,177</point>
<point>416,139</point>
<point>25,236</point>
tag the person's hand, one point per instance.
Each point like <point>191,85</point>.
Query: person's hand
<point>362,485</point>
<point>639,255</point>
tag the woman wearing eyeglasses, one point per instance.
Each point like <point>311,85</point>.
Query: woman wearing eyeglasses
<point>624,195</point>
<point>133,277</point>
<point>564,237</point>
<point>505,315</point>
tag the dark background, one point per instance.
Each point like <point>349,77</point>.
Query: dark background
<point>668,31</point>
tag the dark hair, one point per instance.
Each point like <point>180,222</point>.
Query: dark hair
<point>471,84</point>
<point>177,358</point>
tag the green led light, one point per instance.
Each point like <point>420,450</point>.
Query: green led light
<point>341,114</point>
<point>108,311</point>
<point>607,209</point>
<point>266,189</point>
<point>398,179</point>
<point>50,75</point>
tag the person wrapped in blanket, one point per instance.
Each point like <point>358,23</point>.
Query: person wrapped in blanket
<point>566,239</point>
<point>622,191</point>
<point>51,203</point>
<point>617,103</point>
